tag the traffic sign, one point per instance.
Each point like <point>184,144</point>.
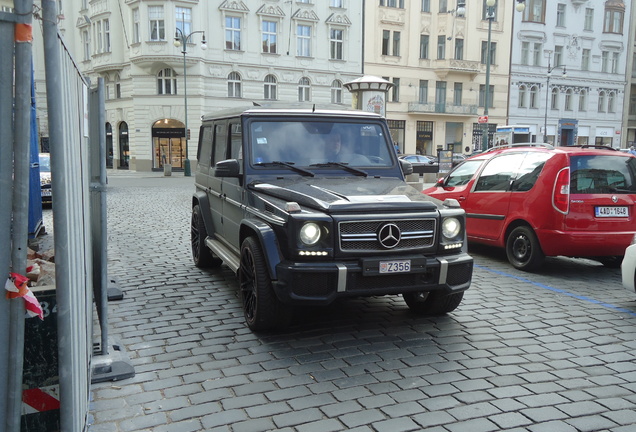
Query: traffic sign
<point>482,119</point>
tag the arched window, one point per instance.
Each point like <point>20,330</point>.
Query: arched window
<point>568,100</point>
<point>554,100</point>
<point>601,101</point>
<point>534,93</point>
<point>234,85</point>
<point>304,90</point>
<point>166,81</point>
<point>583,100</point>
<point>611,102</point>
<point>270,87</point>
<point>117,87</point>
<point>336,91</point>
<point>523,93</point>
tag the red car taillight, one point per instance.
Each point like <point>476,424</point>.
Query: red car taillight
<point>561,193</point>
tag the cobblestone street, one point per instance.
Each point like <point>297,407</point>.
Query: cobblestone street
<point>551,351</point>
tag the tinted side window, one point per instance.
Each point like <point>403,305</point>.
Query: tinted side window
<point>529,171</point>
<point>205,145</point>
<point>236,141</point>
<point>463,173</point>
<point>499,172</point>
<point>220,142</point>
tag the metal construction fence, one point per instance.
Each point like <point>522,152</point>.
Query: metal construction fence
<point>77,152</point>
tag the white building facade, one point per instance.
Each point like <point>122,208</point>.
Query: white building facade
<point>257,51</point>
<point>568,70</point>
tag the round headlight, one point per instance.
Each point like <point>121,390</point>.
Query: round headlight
<point>310,233</point>
<point>451,227</point>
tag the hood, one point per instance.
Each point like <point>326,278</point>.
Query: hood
<point>343,194</point>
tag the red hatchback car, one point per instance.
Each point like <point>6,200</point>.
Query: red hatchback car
<point>536,200</point>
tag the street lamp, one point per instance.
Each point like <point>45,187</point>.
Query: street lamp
<point>490,16</point>
<point>182,40</point>
<point>547,94</point>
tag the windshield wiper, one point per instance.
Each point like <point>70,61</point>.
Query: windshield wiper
<point>344,166</point>
<point>289,165</point>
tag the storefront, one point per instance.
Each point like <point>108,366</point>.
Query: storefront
<point>168,144</point>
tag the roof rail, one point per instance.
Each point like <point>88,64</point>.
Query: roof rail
<point>596,146</point>
<point>527,144</point>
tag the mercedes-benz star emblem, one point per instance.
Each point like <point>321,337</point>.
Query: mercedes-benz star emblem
<point>389,235</point>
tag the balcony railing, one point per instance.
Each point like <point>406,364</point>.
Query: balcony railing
<point>435,108</point>
<point>446,66</point>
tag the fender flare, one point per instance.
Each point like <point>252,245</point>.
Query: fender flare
<point>267,238</point>
<point>201,198</point>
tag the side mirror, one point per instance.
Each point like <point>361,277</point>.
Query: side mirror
<point>227,168</point>
<point>440,181</point>
<point>407,168</point>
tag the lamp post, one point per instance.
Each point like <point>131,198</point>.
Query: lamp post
<point>490,16</point>
<point>181,40</point>
<point>547,94</point>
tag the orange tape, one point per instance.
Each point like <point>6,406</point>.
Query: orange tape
<point>23,33</point>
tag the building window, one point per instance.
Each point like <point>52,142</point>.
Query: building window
<point>585,59</point>
<point>484,52</point>
<point>423,92</point>
<point>117,87</point>
<point>234,85</point>
<point>232,33</point>
<point>525,53</point>
<point>336,44</point>
<point>183,17</point>
<point>304,90</point>
<point>135,26</point>
<point>424,46</point>
<point>166,82</point>
<point>386,38</point>
<point>534,96</point>
<point>554,98</point>
<point>270,36</point>
<point>86,41</point>
<point>558,55</point>
<point>157,24</point>
<point>396,43</point>
<point>102,36</point>
<point>601,101</point>
<point>568,100</point>
<point>426,5</point>
<point>614,18</point>
<point>523,93</point>
<point>443,6</point>
<point>303,35</point>
<point>588,23</point>
<point>392,3</point>
<point>457,94</point>
<point>270,87</point>
<point>605,61</point>
<point>336,91</point>
<point>583,100</point>
<point>106,35</point>
<point>484,11</point>
<point>536,53</point>
<point>459,49</point>
<point>337,3</point>
<point>534,11</point>
<point>611,102</point>
<point>614,62</point>
<point>482,95</point>
<point>395,91</point>
<point>560,21</point>
<point>441,47</point>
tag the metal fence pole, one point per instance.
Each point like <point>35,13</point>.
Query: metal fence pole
<point>6,198</point>
<point>20,225</point>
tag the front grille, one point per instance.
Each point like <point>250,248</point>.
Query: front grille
<point>362,236</point>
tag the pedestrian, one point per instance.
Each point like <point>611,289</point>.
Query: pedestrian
<point>632,150</point>
<point>396,147</point>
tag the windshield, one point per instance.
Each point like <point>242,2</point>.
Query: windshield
<point>319,144</point>
<point>602,174</point>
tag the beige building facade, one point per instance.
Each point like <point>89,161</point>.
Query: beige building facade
<point>437,60</point>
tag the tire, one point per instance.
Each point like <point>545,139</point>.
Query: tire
<point>201,255</point>
<point>612,262</point>
<point>262,309</point>
<point>432,303</point>
<point>523,249</point>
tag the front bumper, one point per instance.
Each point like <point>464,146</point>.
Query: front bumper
<point>322,283</point>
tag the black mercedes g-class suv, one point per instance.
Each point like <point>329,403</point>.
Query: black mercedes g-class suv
<point>308,205</point>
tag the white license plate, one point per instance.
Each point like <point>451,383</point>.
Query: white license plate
<point>397,266</point>
<point>46,192</point>
<point>611,212</point>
